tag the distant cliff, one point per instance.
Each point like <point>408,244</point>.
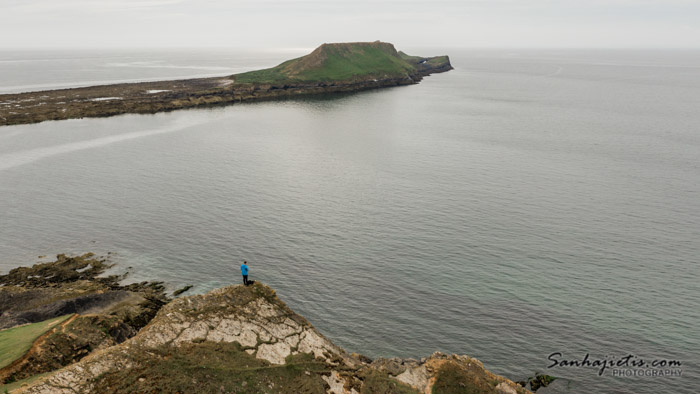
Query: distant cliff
<point>348,62</point>
<point>343,67</point>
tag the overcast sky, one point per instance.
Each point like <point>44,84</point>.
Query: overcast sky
<point>293,23</point>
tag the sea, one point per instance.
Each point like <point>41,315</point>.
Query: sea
<point>534,209</point>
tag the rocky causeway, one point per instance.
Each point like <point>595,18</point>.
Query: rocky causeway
<point>331,68</point>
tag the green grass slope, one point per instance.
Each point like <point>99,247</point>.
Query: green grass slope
<point>16,341</point>
<point>340,62</point>
<point>10,387</point>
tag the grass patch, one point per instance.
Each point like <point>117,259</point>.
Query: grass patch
<point>455,378</point>
<point>16,341</point>
<point>214,367</point>
<point>438,60</point>
<point>414,59</point>
<point>210,367</point>
<point>10,387</point>
<point>377,382</point>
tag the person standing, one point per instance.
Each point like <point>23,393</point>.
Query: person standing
<point>244,272</point>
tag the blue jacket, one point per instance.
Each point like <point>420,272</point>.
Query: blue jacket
<point>244,269</point>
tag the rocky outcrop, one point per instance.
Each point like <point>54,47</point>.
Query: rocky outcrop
<point>245,339</point>
<point>75,284</point>
<point>105,312</point>
<point>85,304</point>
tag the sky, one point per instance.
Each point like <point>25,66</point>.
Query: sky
<point>307,23</point>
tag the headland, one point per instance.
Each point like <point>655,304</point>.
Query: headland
<point>331,68</point>
<point>73,329</point>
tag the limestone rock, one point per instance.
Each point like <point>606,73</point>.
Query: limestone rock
<point>253,321</point>
<point>416,377</point>
<point>336,383</point>
<point>275,353</point>
<point>504,388</point>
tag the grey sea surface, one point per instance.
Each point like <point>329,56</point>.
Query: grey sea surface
<point>523,204</point>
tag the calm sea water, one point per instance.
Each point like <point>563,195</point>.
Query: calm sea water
<point>526,203</point>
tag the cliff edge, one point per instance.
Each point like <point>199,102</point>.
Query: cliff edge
<point>245,339</point>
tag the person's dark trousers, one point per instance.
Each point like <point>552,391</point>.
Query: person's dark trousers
<point>245,280</point>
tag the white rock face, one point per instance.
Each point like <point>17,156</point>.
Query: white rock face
<point>264,327</point>
<point>292,340</point>
<point>417,377</point>
<point>274,353</point>
<point>504,388</point>
<point>261,327</point>
<point>228,330</point>
<point>311,342</point>
<point>337,385</point>
<point>196,331</point>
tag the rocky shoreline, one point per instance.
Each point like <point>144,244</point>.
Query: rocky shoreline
<point>102,312</point>
<point>75,285</point>
<point>153,97</point>
<point>235,339</point>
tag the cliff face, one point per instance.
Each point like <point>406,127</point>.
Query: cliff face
<point>244,339</point>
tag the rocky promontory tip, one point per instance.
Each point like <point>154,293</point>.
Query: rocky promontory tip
<point>331,68</point>
<point>245,339</point>
<point>73,329</point>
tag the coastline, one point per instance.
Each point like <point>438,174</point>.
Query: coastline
<point>161,96</point>
<point>231,339</point>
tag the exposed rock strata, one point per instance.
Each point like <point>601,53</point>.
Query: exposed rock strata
<point>262,328</point>
<point>75,285</point>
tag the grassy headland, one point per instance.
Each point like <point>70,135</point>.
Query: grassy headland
<point>338,62</point>
<point>244,339</point>
<point>343,67</point>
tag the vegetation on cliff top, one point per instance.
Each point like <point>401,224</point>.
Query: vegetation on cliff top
<point>235,339</point>
<point>342,62</point>
<point>245,339</point>
<point>55,313</point>
<point>227,368</point>
<point>16,341</point>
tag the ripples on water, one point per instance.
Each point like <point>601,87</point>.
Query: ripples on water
<point>522,204</point>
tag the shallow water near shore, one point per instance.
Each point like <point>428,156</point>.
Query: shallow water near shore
<point>525,203</point>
